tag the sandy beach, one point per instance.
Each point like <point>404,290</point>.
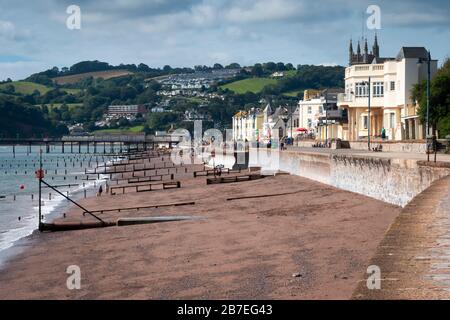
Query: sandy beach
<point>241,249</point>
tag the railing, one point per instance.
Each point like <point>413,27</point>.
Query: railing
<point>105,138</point>
<point>342,97</point>
<point>378,67</point>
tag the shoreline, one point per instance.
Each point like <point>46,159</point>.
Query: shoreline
<point>54,213</point>
<point>8,254</point>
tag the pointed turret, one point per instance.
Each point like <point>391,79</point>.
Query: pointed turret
<point>376,47</point>
<point>350,53</point>
<point>366,52</point>
<point>358,52</point>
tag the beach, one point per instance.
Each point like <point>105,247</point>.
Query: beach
<point>312,241</point>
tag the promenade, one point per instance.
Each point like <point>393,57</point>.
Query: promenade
<point>414,256</point>
<point>365,153</point>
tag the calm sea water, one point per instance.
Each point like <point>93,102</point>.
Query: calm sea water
<point>19,217</point>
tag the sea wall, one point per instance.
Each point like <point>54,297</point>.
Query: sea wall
<point>395,181</point>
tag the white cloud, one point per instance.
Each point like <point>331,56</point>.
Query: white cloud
<point>7,29</point>
<point>416,18</point>
<point>264,11</point>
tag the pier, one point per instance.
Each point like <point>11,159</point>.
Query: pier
<point>97,144</point>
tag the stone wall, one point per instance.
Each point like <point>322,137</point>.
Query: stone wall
<point>391,180</point>
<point>395,181</point>
<point>394,146</point>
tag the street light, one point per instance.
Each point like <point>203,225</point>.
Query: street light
<point>291,116</point>
<point>427,124</point>
<point>285,118</point>
<point>368,117</point>
<point>326,115</point>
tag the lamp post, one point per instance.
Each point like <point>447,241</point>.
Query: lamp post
<point>285,118</point>
<point>326,115</point>
<point>428,93</point>
<point>368,117</point>
<point>427,123</point>
<point>291,116</point>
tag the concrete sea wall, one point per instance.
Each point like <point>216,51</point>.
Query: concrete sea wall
<point>395,181</point>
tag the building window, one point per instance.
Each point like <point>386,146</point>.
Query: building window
<point>378,89</point>
<point>309,110</point>
<point>320,109</point>
<point>309,123</point>
<point>392,85</point>
<point>361,89</point>
<point>365,122</point>
<point>392,120</point>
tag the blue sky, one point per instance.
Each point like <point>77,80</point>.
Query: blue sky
<point>34,36</point>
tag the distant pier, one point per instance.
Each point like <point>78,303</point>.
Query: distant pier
<point>94,143</point>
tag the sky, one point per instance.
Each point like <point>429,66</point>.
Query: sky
<point>34,35</point>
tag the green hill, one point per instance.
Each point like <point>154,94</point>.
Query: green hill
<point>26,87</point>
<point>254,85</point>
<point>135,129</point>
<point>107,74</point>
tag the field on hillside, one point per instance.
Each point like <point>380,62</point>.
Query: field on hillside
<point>293,94</point>
<point>25,87</point>
<point>108,74</point>
<point>135,129</point>
<point>254,85</point>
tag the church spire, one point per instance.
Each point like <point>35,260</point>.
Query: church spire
<point>376,47</point>
<point>350,53</point>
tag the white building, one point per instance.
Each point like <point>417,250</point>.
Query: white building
<point>311,114</point>
<point>247,125</point>
<point>126,110</point>
<point>391,84</point>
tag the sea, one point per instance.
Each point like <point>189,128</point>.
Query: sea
<point>19,188</point>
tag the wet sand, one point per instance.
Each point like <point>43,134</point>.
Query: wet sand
<point>242,249</point>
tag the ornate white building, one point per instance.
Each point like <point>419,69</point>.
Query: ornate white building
<point>391,84</point>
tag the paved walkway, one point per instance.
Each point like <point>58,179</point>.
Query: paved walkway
<point>366,153</point>
<point>414,256</point>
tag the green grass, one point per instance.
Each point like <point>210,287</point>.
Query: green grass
<point>254,85</point>
<point>195,100</point>
<point>135,129</point>
<point>290,73</point>
<point>71,91</point>
<point>292,93</point>
<point>26,87</point>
